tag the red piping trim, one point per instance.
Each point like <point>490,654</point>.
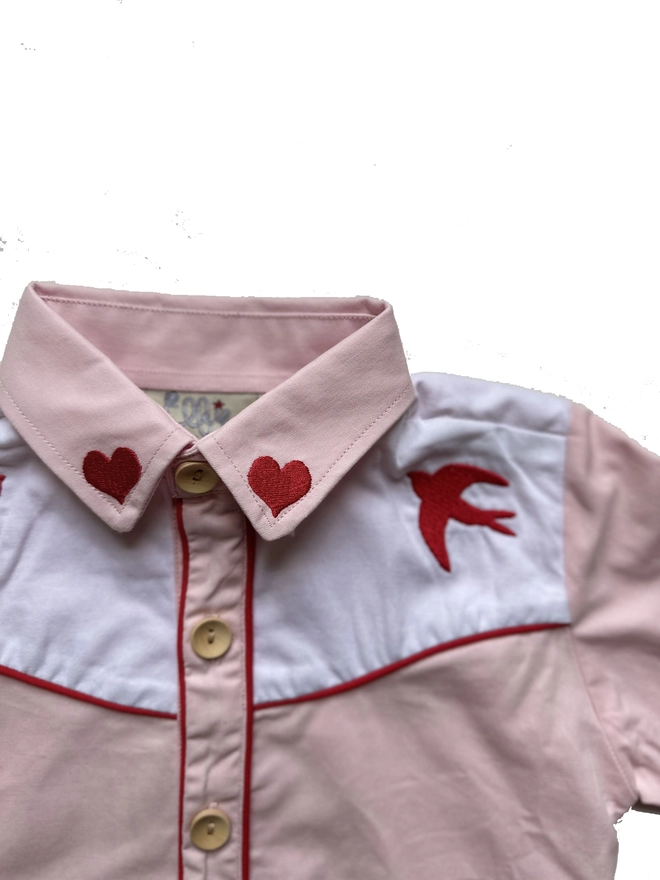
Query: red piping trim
<point>185,552</point>
<point>413,658</point>
<point>78,695</point>
<point>249,578</point>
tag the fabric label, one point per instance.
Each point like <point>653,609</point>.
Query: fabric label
<point>201,412</point>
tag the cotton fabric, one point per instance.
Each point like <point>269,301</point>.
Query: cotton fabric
<point>443,594</point>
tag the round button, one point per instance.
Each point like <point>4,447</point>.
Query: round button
<point>196,476</point>
<point>211,638</point>
<point>210,828</point>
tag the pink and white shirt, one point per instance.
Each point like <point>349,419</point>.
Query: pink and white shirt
<point>272,607</point>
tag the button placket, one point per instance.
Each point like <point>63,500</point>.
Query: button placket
<point>213,681</point>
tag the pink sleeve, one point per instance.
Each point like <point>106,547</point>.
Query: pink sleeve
<point>612,564</point>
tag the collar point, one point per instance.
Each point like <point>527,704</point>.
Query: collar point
<point>273,531</point>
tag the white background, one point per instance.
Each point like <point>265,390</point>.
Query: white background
<point>490,168</point>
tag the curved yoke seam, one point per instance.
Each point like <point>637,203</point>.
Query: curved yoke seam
<point>181,311</point>
<point>77,693</point>
<point>408,660</point>
<point>292,507</point>
<point>103,497</point>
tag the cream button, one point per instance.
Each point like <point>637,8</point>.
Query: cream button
<point>196,476</point>
<point>211,638</point>
<point>210,828</point>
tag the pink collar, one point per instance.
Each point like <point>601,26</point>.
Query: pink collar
<point>333,371</point>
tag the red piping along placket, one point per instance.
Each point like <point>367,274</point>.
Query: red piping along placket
<point>249,577</point>
<point>185,567</point>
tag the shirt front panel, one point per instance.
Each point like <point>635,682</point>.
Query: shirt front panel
<point>87,790</point>
<point>482,761</point>
<point>99,605</point>
<point>357,587</point>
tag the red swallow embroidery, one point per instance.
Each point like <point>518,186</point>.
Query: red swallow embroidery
<point>279,487</point>
<point>441,501</point>
<point>115,476</point>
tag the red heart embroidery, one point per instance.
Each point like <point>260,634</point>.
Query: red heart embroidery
<point>279,488</point>
<point>115,476</point>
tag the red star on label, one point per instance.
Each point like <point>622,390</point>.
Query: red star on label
<point>441,501</point>
<point>115,476</point>
<point>279,487</point>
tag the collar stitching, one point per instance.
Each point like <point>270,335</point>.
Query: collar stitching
<point>314,486</point>
<point>209,312</point>
<point>102,495</point>
<point>134,370</point>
